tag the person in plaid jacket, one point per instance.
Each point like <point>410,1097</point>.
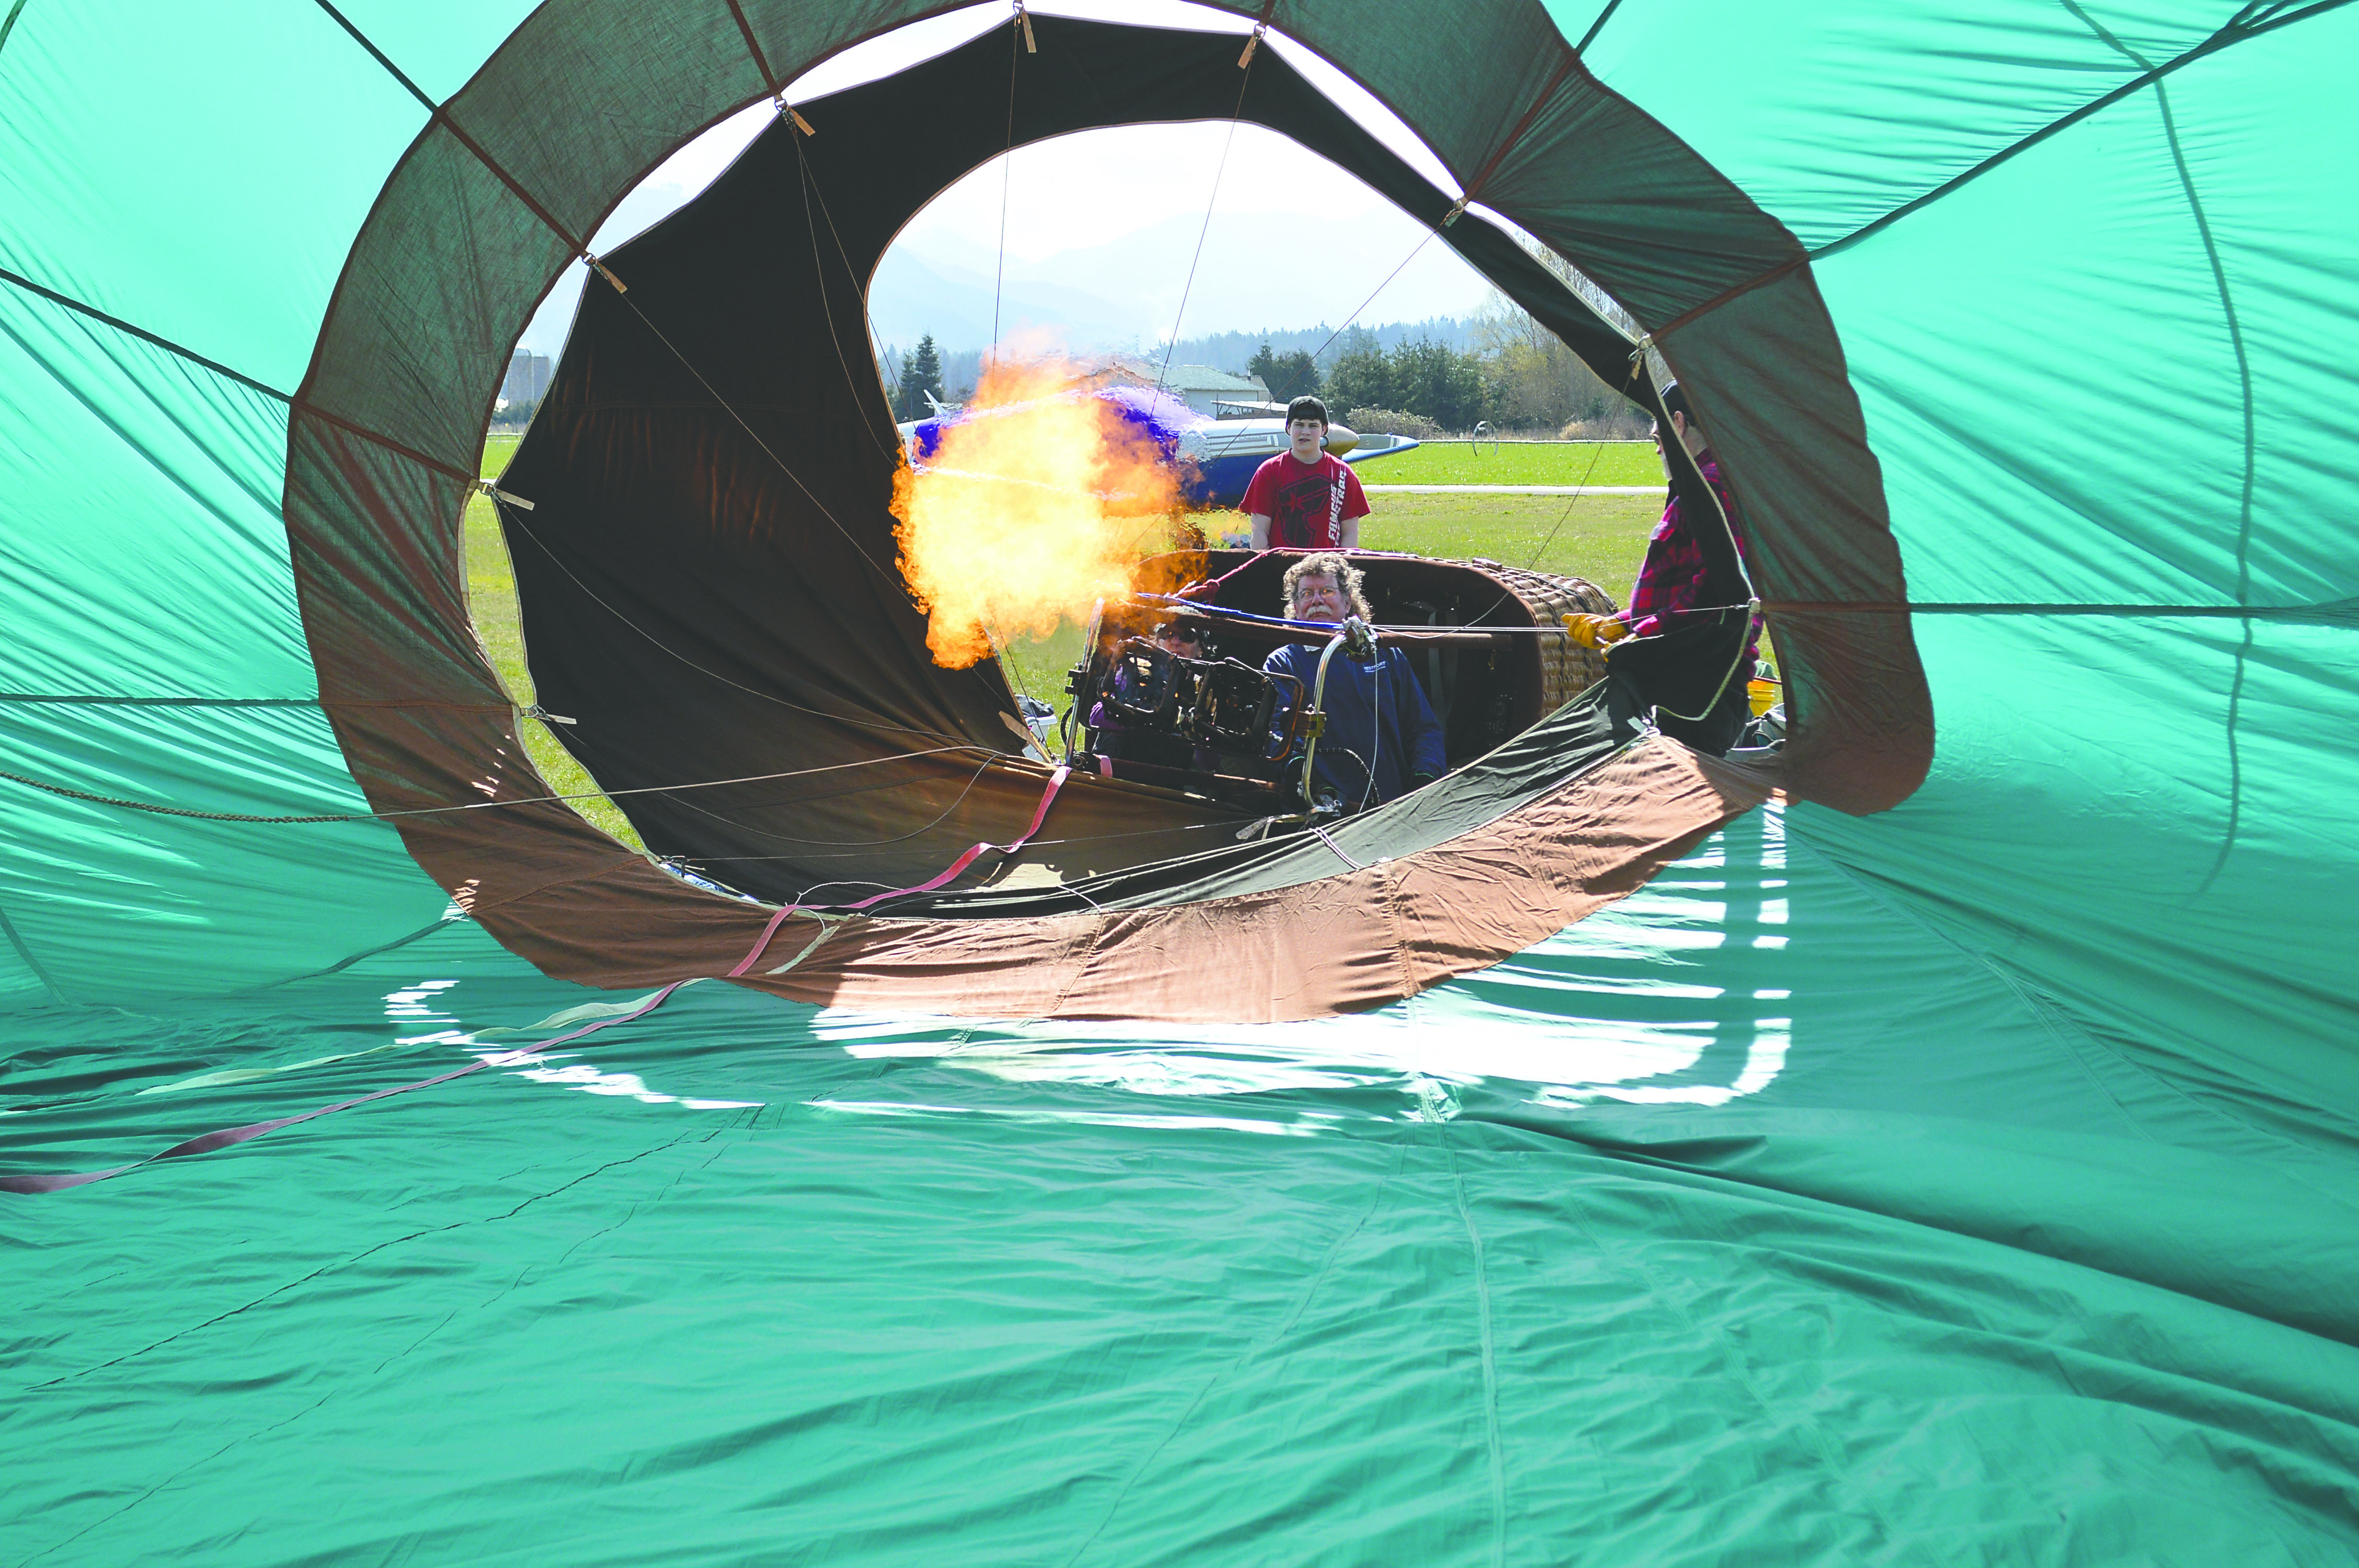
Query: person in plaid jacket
<point>1677,588</point>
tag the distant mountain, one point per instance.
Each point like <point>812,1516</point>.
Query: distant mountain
<point>1125,295</point>
<point>911,296</point>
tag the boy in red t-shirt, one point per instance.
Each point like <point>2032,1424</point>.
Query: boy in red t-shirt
<point>1304,499</point>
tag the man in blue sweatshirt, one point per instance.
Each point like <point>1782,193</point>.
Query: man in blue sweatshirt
<point>1382,740</point>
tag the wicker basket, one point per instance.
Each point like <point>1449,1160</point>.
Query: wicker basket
<point>1567,669</point>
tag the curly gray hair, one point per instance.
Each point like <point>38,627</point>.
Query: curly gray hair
<point>1329,564</point>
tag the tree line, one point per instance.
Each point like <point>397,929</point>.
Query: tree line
<point>1517,375</point>
<point>921,374</point>
<point>1511,372</point>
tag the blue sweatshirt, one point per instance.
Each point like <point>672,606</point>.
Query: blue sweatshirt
<point>1376,716</point>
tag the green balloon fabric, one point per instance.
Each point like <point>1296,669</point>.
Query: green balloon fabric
<point>2094,364</point>
<point>1973,1181</point>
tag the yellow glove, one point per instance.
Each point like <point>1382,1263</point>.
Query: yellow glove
<point>1594,630</point>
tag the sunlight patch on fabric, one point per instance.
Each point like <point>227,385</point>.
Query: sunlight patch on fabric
<point>1627,1016</point>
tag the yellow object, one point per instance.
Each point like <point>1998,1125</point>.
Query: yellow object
<point>1763,694</point>
<point>1594,630</point>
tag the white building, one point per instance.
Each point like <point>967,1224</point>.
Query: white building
<point>528,379</point>
<point>1201,387</point>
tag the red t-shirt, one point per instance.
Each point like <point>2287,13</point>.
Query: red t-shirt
<point>1307,503</point>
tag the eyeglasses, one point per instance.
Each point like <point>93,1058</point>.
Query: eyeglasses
<point>1187,634</point>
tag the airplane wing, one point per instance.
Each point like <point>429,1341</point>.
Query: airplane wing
<point>1379,447</point>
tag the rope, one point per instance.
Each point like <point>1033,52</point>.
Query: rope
<point>1321,834</point>
<point>169,701</point>
<point>836,843</point>
<point>1371,300</point>
<point>1007,174</point>
<point>826,305</point>
<point>155,810</point>
<point>292,400</point>
<point>949,873</point>
<point>868,322</point>
<point>1008,667</point>
<point>1245,66</point>
<point>729,408</point>
<point>751,691</point>
<point>228,1136</point>
<point>1037,843</point>
<point>2236,30</point>
<point>1404,634</point>
<point>1596,452</point>
<point>144,336</point>
<point>2338,612</point>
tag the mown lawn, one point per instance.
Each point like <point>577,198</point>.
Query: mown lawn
<point>492,600</point>
<point>1565,462</point>
<point>1600,537</point>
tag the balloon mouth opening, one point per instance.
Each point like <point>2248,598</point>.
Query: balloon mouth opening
<point>768,632</point>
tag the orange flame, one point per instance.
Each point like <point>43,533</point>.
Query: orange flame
<point>1033,507</point>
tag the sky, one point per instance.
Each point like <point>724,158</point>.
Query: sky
<point>1065,239</point>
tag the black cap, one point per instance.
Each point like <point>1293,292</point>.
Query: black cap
<point>1306,407</point>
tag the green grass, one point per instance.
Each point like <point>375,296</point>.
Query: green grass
<point>1600,537</point>
<point>1566,462</point>
<point>491,602</point>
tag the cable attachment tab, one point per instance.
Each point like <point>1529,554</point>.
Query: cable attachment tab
<point>544,716</point>
<point>1639,354</point>
<point>501,497</point>
<point>1457,210</point>
<point>599,268</point>
<point>788,111</point>
<point>1024,20</point>
<point>1252,44</point>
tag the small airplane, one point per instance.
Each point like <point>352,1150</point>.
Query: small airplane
<point>1216,457</point>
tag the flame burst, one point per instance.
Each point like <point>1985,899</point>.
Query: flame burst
<point>1035,506</point>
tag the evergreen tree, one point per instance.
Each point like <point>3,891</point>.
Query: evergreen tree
<point>1289,376</point>
<point>1423,377</point>
<point>1362,375</point>
<point>1442,384</point>
<point>921,372</point>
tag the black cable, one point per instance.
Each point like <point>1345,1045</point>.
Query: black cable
<point>157,810</point>
<point>1597,451</point>
<point>1035,844</point>
<point>892,579</point>
<point>826,305</point>
<point>1007,174</point>
<point>1171,344</point>
<point>1371,300</point>
<point>751,691</point>
<point>836,843</point>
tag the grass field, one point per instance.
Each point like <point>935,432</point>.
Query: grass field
<point>492,600</point>
<point>1568,462</point>
<point>1600,537</point>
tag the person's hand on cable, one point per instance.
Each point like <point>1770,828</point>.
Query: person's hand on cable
<point>1595,630</point>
